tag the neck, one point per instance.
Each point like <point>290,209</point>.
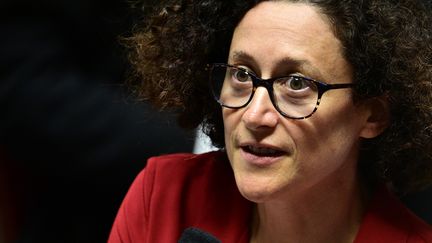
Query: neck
<point>331,213</point>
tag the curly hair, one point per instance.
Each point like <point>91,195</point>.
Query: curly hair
<point>387,42</point>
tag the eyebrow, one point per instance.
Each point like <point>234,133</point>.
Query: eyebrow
<point>304,65</point>
<point>241,56</point>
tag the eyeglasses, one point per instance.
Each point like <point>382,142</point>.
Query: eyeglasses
<point>293,96</point>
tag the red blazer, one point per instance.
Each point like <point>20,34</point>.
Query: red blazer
<point>178,191</point>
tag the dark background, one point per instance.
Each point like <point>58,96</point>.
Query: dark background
<point>72,137</point>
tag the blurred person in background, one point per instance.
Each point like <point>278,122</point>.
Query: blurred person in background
<point>71,137</point>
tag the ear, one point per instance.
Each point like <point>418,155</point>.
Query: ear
<point>378,116</point>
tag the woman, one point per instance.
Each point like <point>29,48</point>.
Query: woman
<point>326,108</point>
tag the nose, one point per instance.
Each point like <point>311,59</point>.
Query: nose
<point>260,112</point>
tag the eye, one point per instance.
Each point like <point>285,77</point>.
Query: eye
<point>240,75</point>
<point>297,83</point>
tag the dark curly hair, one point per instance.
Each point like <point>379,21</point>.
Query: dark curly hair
<point>388,43</point>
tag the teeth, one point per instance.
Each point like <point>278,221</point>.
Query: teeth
<point>259,150</point>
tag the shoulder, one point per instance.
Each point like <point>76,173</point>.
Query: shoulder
<point>177,191</point>
<point>170,176</point>
<point>184,175</point>
<point>388,220</point>
<point>167,190</point>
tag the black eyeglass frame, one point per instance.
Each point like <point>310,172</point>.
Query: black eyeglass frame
<point>268,84</point>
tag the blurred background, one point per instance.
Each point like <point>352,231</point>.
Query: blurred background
<point>72,138</point>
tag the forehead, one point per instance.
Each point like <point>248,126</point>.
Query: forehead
<point>288,21</point>
<point>274,31</point>
<point>282,11</point>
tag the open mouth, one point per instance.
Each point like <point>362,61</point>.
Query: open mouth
<point>263,151</point>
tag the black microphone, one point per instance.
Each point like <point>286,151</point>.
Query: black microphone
<point>194,235</point>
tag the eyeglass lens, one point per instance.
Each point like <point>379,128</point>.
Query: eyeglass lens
<point>233,87</point>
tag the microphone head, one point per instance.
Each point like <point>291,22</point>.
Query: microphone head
<point>194,235</point>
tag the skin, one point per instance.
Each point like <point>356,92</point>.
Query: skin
<point>313,179</point>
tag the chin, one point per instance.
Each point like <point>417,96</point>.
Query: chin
<point>256,191</point>
<point>254,196</point>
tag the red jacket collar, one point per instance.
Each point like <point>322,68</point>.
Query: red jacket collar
<point>388,220</point>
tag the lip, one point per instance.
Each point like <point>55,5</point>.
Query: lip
<point>257,159</point>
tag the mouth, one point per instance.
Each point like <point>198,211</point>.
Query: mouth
<point>261,155</point>
<point>263,151</point>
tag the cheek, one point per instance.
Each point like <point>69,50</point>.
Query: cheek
<point>330,134</point>
<point>338,117</point>
<point>321,154</point>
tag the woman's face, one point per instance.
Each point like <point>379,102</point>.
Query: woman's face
<point>271,155</point>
